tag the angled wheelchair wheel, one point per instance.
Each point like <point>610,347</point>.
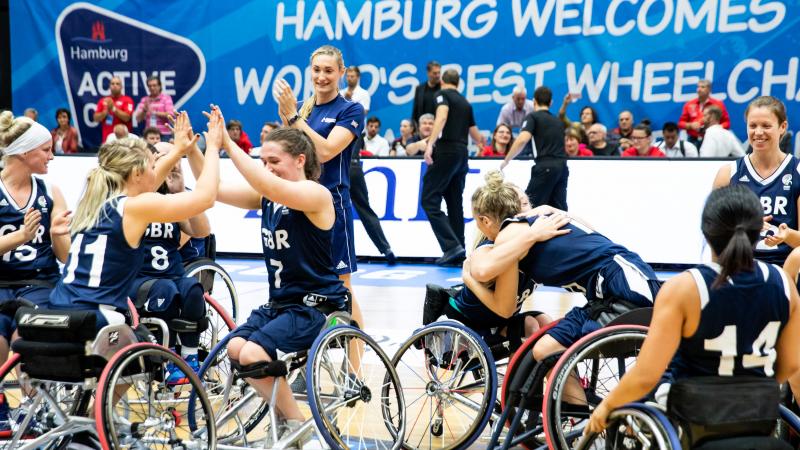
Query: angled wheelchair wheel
<point>583,377</point>
<point>634,426</point>
<point>354,407</point>
<point>238,409</point>
<point>135,409</point>
<point>217,284</point>
<point>449,385</point>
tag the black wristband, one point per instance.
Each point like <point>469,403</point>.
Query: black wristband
<point>293,119</point>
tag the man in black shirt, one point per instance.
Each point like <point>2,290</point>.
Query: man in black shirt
<point>448,166</point>
<point>426,92</point>
<point>548,184</point>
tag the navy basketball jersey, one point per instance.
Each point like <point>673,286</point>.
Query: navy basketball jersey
<point>298,258</point>
<point>33,259</point>
<point>336,172</point>
<point>101,266</point>
<point>778,194</point>
<point>574,260</point>
<point>739,323</point>
<point>162,258</point>
<point>468,304</point>
<point>193,249</point>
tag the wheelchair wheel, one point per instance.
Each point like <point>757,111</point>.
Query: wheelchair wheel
<point>237,407</point>
<point>220,324</point>
<point>354,407</point>
<point>217,284</point>
<point>134,409</point>
<point>449,384</point>
<point>634,426</point>
<point>583,376</point>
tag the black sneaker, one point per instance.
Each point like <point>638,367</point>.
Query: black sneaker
<point>453,257</point>
<point>391,260</point>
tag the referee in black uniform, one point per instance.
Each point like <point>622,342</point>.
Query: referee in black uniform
<point>448,166</point>
<point>548,184</point>
<point>360,198</point>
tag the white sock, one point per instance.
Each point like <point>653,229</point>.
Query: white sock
<point>188,351</point>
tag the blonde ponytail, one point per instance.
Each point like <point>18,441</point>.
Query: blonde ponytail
<point>116,162</point>
<point>328,50</point>
<point>496,199</point>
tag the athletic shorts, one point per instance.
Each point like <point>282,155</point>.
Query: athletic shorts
<point>628,278</point>
<point>291,328</point>
<point>575,325</point>
<point>164,291</point>
<point>38,295</point>
<point>343,250</point>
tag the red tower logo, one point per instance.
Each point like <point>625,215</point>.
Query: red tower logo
<point>98,31</point>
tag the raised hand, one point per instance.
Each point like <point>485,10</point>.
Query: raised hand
<point>185,139</point>
<point>60,223</point>
<point>30,223</point>
<point>287,103</point>
<point>217,136</point>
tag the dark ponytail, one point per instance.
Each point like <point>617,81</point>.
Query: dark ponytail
<point>731,223</point>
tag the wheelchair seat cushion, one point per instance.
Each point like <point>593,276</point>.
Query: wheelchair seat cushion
<point>42,325</point>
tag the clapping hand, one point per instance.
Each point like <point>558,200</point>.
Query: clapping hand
<point>287,103</point>
<point>60,224</point>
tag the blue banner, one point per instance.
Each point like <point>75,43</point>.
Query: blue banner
<point>642,55</point>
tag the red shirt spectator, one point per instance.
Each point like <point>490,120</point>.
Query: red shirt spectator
<point>572,144</point>
<point>114,110</point>
<point>653,152</point>
<point>238,135</point>
<point>692,116</point>
<point>489,151</point>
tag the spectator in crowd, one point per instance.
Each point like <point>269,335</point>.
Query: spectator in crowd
<point>598,143</point>
<point>151,135</point>
<point>114,110</point>
<point>238,135</point>
<point>673,146</point>
<point>374,143</point>
<point>548,183</point>
<point>692,116</point>
<point>448,166</point>
<point>624,144</point>
<point>265,130</point>
<point>588,115</point>
<point>642,138</point>
<point>407,136</point>
<point>514,112</point>
<point>425,93</point>
<point>718,142</point>
<point>65,136</point>
<point>32,114</point>
<point>623,131</point>
<point>573,145</point>
<point>120,132</point>
<point>425,129</point>
<point>154,109</point>
<point>502,139</point>
<point>354,92</point>
<point>359,196</point>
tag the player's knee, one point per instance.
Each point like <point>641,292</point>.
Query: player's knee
<point>235,347</point>
<point>252,353</point>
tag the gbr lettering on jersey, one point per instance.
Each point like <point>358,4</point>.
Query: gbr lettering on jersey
<point>25,252</point>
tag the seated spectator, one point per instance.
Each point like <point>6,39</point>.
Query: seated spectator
<point>717,141</point>
<point>598,143</point>
<point>65,136</point>
<point>514,112</point>
<point>120,132</point>
<point>374,143</point>
<point>425,130</point>
<point>642,138</point>
<point>624,130</point>
<point>674,147</point>
<point>502,138</point>
<point>151,135</point>
<point>624,144</point>
<point>238,135</point>
<point>407,136</point>
<point>32,114</point>
<point>265,130</point>
<point>573,145</point>
<point>588,115</point>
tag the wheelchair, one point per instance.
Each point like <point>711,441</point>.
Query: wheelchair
<point>211,275</point>
<point>754,420</point>
<point>69,371</point>
<point>350,407</point>
<point>536,409</point>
